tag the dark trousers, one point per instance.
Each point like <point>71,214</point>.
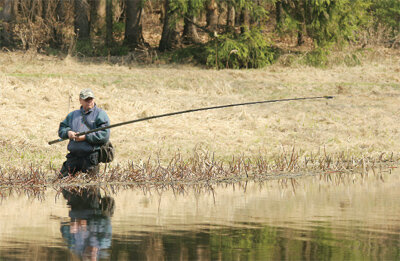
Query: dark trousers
<point>83,163</point>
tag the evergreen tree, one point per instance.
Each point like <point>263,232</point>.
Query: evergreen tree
<point>327,22</point>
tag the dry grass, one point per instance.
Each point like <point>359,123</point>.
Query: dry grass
<point>362,121</point>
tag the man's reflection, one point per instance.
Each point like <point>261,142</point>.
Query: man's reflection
<point>89,232</point>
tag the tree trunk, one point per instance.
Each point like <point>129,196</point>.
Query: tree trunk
<point>97,16</point>
<point>133,25</point>
<point>6,16</point>
<point>190,34</point>
<point>253,20</point>
<point>304,14</point>
<point>230,19</point>
<point>238,13</point>
<point>300,38</point>
<point>298,11</point>
<point>109,23</point>
<point>59,19</point>
<point>15,10</point>
<point>278,17</point>
<point>6,7</point>
<point>44,9</point>
<point>212,15</point>
<point>168,36</point>
<point>82,26</point>
<point>60,11</point>
<point>244,20</point>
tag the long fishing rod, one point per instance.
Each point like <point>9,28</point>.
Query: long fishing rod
<point>187,111</point>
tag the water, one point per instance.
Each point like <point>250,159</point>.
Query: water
<point>334,217</point>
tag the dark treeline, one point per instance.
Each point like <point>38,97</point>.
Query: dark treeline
<point>219,33</point>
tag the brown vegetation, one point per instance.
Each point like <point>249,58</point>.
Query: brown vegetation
<point>201,168</point>
<point>361,122</point>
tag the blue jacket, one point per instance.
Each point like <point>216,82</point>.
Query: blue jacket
<point>96,118</point>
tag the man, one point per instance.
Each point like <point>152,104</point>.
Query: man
<point>83,150</point>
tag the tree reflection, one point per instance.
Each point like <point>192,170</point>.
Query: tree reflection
<point>88,233</point>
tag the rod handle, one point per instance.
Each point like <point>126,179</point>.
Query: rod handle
<point>55,141</point>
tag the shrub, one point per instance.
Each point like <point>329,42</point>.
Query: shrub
<point>247,50</point>
<point>326,22</point>
<point>84,47</point>
<point>190,54</point>
<point>386,15</point>
<point>387,12</point>
<point>90,49</point>
<point>318,57</point>
<point>33,35</point>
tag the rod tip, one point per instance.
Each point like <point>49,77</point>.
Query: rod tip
<point>328,97</point>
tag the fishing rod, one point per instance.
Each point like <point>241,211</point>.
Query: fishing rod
<point>187,111</point>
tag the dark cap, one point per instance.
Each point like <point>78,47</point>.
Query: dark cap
<point>86,93</point>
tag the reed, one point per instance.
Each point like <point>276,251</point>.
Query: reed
<point>203,167</point>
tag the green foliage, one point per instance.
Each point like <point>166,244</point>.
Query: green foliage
<point>239,4</point>
<point>288,26</point>
<point>327,22</point>
<point>387,12</point>
<point>115,50</point>
<point>187,7</point>
<point>352,59</point>
<point>256,9</point>
<point>247,50</point>
<point>191,54</point>
<point>118,29</point>
<point>259,13</point>
<point>318,57</point>
<point>344,20</point>
<point>88,48</point>
<point>84,47</point>
<point>322,57</point>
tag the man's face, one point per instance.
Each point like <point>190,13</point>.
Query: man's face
<point>87,104</point>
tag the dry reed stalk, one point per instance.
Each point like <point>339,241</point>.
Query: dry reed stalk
<point>290,182</point>
<point>202,167</point>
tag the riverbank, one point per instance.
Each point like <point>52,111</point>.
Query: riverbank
<point>361,121</point>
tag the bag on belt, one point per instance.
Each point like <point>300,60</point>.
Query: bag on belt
<point>106,153</point>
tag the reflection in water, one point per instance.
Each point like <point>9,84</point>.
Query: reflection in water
<point>334,216</point>
<point>88,233</point>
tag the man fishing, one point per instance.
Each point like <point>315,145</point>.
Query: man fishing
<point>88,129</point>
<point>106,127</point>
<point>83,150</point>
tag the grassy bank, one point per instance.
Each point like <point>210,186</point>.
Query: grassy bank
<point>37,92</point>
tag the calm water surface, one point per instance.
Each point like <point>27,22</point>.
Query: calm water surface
<point>332,217</point>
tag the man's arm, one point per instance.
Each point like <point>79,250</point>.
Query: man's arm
<point>64,127</point>
<point>100,137</point>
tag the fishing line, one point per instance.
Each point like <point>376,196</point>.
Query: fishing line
<point>188,111</point>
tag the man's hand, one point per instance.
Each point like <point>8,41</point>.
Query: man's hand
<point>72,136</point>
